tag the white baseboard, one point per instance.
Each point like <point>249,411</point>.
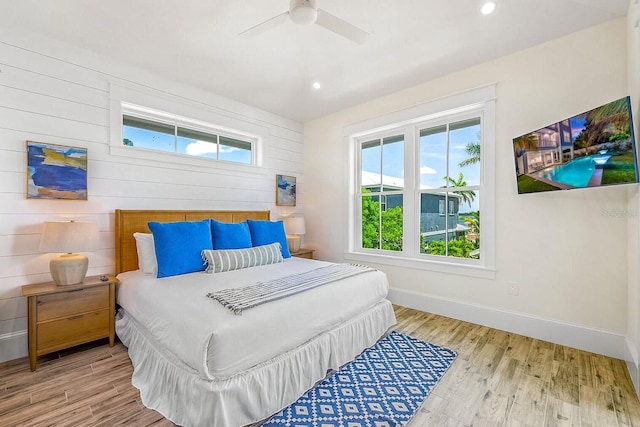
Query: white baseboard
<point>608,343</point>
<point>13,346</point>
<point>633,365</point>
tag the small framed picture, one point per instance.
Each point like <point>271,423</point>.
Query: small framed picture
<point>56,171</point>
<point>285,190</point>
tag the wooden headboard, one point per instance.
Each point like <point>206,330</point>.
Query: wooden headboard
<point>132,221</point>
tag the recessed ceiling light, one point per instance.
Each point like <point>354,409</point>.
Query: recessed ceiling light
<point>316,85</point>
<point>488,7</point>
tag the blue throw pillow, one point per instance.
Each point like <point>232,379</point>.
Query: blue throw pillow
<point>179,246</point>
<point>266,232</point>
<point>230,235</point>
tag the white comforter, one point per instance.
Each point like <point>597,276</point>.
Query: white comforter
<point>218,344</point>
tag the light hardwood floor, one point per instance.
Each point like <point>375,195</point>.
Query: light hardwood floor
<point>498,379</point>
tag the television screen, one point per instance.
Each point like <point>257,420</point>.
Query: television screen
<point>592,149</point>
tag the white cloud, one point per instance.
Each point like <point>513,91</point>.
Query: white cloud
<point>227,149</point>
<point>199,148</point>
<point>426,170</point>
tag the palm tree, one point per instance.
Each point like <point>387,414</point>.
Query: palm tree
<point>525,142</point>
<point>468,196</point>
<point>602,122</point>
<point>473,221</point>
<point>473,150</point>
<point>616,111</point>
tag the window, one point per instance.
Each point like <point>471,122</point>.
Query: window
<point>163,132</point>
<point>449,168</point>
<point>420,184</point>
<point>381,198</point>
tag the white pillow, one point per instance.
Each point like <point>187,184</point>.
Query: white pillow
<point>146,253</point>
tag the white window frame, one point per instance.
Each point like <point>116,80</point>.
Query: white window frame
<point>479,102</point>
<point>162,117</point>
<point>185,113</point>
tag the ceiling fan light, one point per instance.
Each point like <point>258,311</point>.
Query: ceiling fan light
<point>303,12</point>
<point>488,7</point>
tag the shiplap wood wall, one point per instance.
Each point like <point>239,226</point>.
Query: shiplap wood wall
<point>47,98</point>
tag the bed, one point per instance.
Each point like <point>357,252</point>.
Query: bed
<point>198,363</point>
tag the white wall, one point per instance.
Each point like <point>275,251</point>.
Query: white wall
<point>568,255</point>
<point>633,315</point>
<point>57,94</point>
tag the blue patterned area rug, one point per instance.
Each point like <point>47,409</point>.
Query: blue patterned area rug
<point>383,387</point>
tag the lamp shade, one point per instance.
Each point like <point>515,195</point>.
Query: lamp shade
<point>295,225</point>
<point>69,236</point>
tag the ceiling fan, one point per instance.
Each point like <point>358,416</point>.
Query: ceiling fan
<point>306,12</point>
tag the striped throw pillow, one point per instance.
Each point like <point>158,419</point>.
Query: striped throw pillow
<point>234,259</point>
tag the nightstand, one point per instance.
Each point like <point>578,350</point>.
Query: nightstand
<point>65,316</point>
<point>304,253</point>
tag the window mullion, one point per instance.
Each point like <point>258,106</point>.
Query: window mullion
<point>411,236</point>
<point>175,139</point>
<point>446,196</point>
<point>381,192</point>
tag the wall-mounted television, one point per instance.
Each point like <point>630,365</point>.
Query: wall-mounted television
<point>592,149</point>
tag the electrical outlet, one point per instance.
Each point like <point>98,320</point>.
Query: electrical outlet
<point>513,288</point>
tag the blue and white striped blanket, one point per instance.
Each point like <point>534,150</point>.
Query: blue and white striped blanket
<point>239,299</point>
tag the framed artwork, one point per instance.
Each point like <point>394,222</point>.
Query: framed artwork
<point>285,190</point>
<point>56,171</point>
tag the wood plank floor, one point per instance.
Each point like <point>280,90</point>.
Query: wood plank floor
<point>498,379</point>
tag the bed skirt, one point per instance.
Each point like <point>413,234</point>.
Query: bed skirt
<point>177,391</point>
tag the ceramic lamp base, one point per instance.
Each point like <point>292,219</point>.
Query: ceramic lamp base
<point>293,242</point>
<point>69,269</point>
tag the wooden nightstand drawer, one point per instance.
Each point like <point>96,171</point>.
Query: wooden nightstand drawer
<point>65,316</point>
<point>69,303</point>
<point>303,253</point>
<point>67,332</point>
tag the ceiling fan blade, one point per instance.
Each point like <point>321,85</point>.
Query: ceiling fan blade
<point>266,25</point>
<point>341,27</point>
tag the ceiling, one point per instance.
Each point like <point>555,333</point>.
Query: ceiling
<point>197,42</point>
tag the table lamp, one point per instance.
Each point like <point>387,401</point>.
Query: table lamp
<point>294,226</point>
<point>69,237</point>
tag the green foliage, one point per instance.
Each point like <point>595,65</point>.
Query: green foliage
<point>619,137</point>
<point>372,217</point>
<point>527,184</point>
<point>392,229</point>
<point>619,169</point>
<point>370,222</point>
<point>434,247</point>
<point>127,142</point>
<point>459,247</point>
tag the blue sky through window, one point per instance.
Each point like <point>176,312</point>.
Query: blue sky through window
<point>433,158</point>
<point>159,141</point>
